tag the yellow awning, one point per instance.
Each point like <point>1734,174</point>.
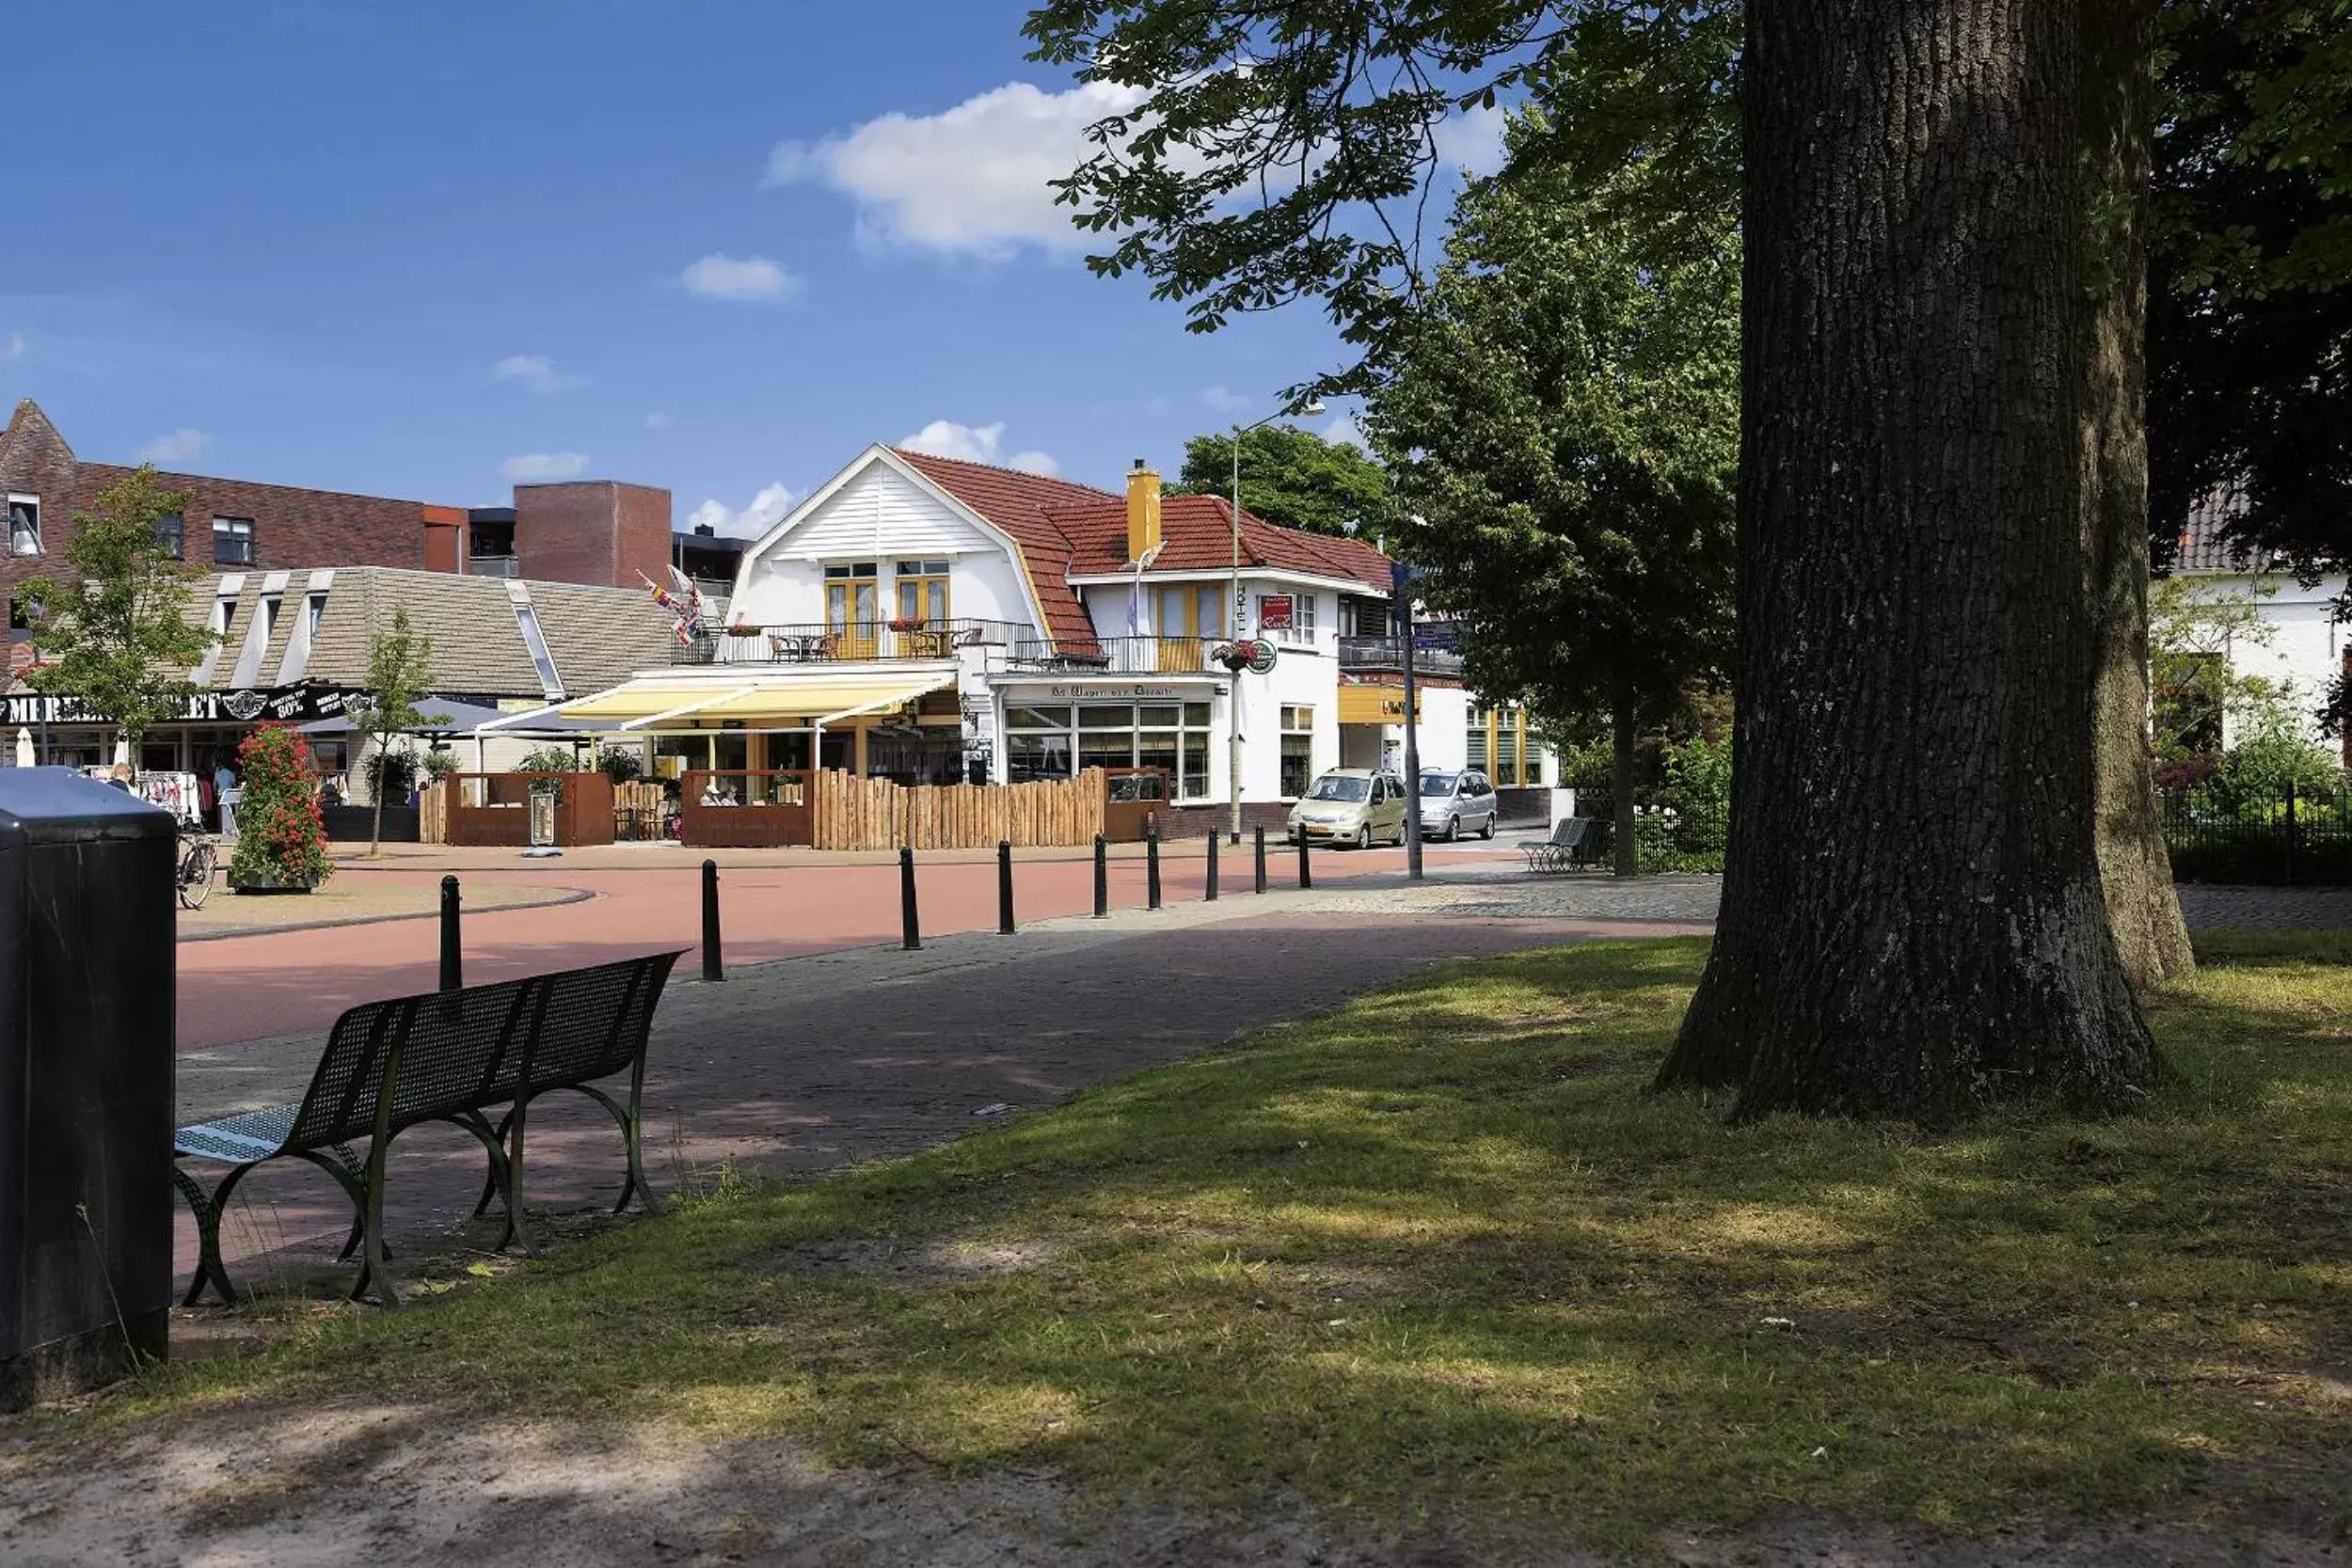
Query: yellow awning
<point>650,702</point>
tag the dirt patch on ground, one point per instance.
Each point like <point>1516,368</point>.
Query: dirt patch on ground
<point>266,1484</point>
<point>931,1263</point>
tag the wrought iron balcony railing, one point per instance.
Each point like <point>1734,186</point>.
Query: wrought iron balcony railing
<point>1388,653</point>
<point>1122,655</point>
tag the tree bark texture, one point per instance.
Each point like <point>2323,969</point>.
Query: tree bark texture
<point>2119,115</point>
<point>1911,920</point>
<point>1625,847</point>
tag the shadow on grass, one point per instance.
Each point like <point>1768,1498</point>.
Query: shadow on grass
<point>1438,1251</point>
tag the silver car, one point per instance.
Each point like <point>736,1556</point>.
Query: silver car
<point>1452,804</point>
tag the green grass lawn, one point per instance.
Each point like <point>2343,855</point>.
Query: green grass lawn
<point>1438,1251</point>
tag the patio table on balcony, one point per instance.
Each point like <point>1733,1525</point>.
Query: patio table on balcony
<point>797,648</point>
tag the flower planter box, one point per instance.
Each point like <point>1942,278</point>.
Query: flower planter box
<point>269,885</point>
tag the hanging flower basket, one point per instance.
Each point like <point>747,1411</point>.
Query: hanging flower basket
<point>906,622</point>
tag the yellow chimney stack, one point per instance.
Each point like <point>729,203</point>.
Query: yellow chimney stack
<point>1143,511</point>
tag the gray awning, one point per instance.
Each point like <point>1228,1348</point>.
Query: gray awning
<point>440,719</point>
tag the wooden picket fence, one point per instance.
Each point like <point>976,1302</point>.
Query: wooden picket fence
<point>875,814</point>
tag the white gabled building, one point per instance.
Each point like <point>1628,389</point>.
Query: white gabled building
<point>933,620</point>
<point>2306,651</point>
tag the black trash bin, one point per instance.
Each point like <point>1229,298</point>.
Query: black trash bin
<point>86,984</point>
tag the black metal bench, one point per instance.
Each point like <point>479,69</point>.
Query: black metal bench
<point>1574,841</point>
<point>448,1057</point>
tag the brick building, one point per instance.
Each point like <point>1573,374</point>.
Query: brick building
<point>594,531</point>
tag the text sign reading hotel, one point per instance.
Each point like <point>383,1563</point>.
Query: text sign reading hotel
<point>1274,611</point>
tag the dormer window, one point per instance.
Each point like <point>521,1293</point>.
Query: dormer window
<point>25,524</point>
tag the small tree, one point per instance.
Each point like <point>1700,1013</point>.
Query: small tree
<point>282,841</point>
<point>2198,696</point>
<point>621,764</point>
<point>399,663</point>
<point>117,637</point>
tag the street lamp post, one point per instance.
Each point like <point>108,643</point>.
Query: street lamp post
<point>1234,706</point>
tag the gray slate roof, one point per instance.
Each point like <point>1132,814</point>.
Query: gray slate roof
<point>597,637</point>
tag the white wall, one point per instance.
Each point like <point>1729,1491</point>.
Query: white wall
<point>880,515</point>
<point>2305,644</point>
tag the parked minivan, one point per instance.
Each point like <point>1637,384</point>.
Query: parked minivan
<point>1452,804</point>
<point>1356,806</point>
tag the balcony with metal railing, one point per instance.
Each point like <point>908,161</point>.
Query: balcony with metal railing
<point>824,643</point>
<point>1122,655</point>
<point>1388,653</point>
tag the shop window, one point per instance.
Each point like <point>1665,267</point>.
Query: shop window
<point>233,541</point>
<point>1298,749</point>
<point>24,525</point>
<point>171,532</point>
<point>1052,742</point>
<point>923,590</point>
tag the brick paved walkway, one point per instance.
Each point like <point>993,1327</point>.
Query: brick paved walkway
<point>799,1067</point>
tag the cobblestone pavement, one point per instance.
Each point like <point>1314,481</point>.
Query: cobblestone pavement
<point>2212,905</point>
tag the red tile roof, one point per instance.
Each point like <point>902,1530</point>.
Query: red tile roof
<point>1065,528</point>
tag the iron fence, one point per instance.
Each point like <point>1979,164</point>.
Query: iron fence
<point>2217,833</point>
<point>1673,830</point>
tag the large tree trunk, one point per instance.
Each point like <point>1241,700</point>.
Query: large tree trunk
<point>1911,920</point>
<point>2118,119</point>
<point>1622,832</point>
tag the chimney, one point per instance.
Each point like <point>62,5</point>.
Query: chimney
<point>1143,511</point>
<point>705,530</point>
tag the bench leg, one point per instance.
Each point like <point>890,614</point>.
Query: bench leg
<point>506,1160</point>
<point>209,1269</point>
<point>631,1122</point>
<point>367,1223</point>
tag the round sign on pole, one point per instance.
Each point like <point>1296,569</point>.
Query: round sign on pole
<point>1261,657</point>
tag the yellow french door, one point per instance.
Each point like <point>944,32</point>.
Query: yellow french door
<point>1186,612</point>
<point>851,610</point>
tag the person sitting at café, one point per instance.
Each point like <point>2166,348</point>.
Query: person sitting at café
<point>716,793</point>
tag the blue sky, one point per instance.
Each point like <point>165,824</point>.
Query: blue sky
<point>423,248</point>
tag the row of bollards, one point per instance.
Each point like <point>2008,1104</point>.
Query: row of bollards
<point>911,930</point>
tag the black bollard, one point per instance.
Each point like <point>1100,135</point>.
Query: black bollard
<point>1152,867</point>
<point>913,939</point>
<point>1208,894</point>
<point>1003,888</point>
<point>453,953</point>
<point>1258,836</point>
<point>1102,879</point>
<point>1306,877</point>
<point>714,965</point>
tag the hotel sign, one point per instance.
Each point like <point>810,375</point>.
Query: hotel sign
<point>1093,692</point>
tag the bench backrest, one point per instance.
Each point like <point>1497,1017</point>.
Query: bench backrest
<point>1569,832</point>
<point>596,1020</point>
<point>465,1049</point>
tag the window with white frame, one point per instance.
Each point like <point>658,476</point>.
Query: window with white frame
<point>1301,628</point>
<point>1055,740</point>
<point>24,525</point>
<point>1298,749</point>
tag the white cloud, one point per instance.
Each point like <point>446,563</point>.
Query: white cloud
<point>16,346</point>
<point>1222,401</point>
<point>181,446</point>
<point>657,420</point>
<point>1472,141</point>
<point>767,509</point>
<point>1343,428</point>
<point>976,444</point>
<point>752,278</point>
<point>536,465</point>
<point>972,178</point>
<point>536,372</point>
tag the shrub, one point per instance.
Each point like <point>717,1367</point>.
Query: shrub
<point>621,764</point>
<point>280,835</point>
<point>438,765</point>
<point>2261,766</point>
<point>547,759</point>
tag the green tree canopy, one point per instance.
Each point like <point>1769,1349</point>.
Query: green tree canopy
<point>1292,477</point>
<point>1561,419</point>
<point>117,638</point>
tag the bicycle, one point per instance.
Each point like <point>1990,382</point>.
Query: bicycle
<point>197,861</point>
